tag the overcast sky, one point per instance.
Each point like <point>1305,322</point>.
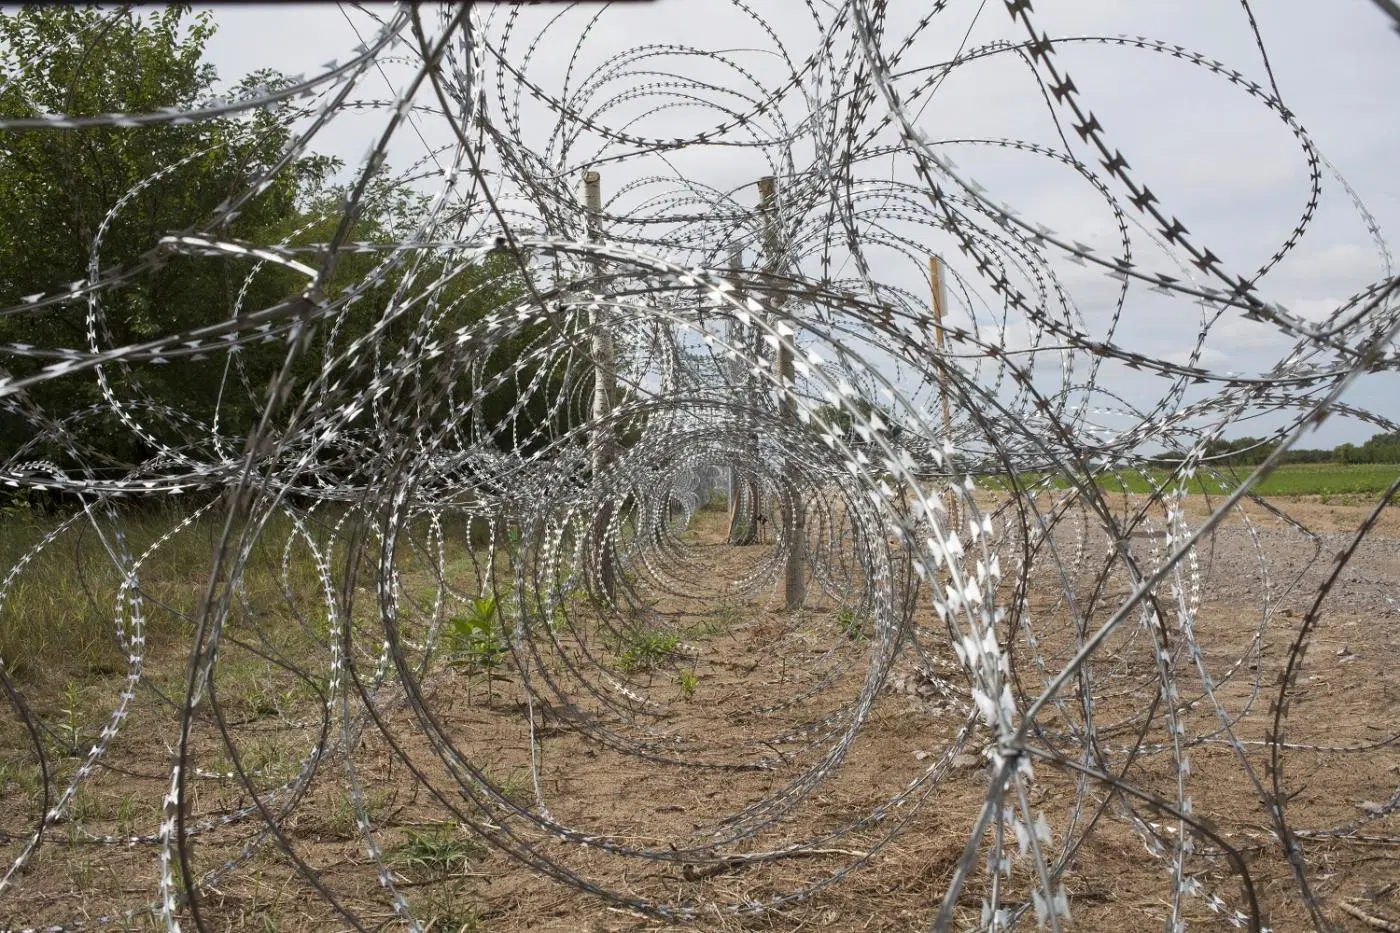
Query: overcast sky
<point>1216,158</point>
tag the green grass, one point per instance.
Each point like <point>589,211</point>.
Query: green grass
<point>688,681</point>
<point>515,786</point>
<point>644,650</point>
<point>59,617</point>
<point>721,619</point>
<point>1294,479</point>
<point>851,625</point>
<point>437,851</point>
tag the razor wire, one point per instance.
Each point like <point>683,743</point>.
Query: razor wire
<point>651,338</point>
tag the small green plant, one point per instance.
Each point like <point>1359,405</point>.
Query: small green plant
<point>16,507</point>
<point>19,779</point>
<point>268,758</point>
<point>438,850</point>
<point>447,914</point>
<point>340,818</point>
<point>724,617</point>
<point>474,639</point>
<point>127,815</point>
<point>515,787</point>
<point>687,680</point>
<point>851,625</point>
<point>645,650</point>
<point>82,808</point>
<point>69,732</point>
<point>80,874</point>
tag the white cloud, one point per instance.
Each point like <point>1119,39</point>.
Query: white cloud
<point>1215,157</point>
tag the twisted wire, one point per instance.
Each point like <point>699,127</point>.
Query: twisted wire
<point>446,431</point>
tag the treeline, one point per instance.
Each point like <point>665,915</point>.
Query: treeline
<point>1251,451</point>
<point>103,197</point>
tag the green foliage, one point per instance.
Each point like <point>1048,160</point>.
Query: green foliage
<point>645,649</point>
<point>127,187</point>
<point>1252,451</point>
<point>438,850</point>
<point>1297,479</point>
<point>514,786</point>
<point>57,622</point>
<point>1380,448</point>
<point>447,913</point>
<point>687,680</point>
<point>850,625</point>
<point>840,420</point>
<point>724,617</point>
<point>474,639</point>
<point>69,733</point>
<point>62,187</point>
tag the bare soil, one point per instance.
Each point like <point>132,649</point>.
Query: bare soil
<point>770,695</point>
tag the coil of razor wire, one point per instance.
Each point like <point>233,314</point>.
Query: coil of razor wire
<point>961,478</point>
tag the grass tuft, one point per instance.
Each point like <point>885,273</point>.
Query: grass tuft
<point>645,650</point>
<point>437,851</point>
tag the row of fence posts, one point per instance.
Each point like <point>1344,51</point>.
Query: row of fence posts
<point>742,491</point>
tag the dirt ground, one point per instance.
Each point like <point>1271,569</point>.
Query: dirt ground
<point>738,736</point>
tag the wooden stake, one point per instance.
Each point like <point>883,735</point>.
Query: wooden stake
<point>794,575</point>
<point>743,501</point>
<point>604,395</point>
<point>940,300</point>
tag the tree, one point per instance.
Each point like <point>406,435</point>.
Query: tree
<point>69,189</point>
<point>121,189</point>
<point>1380,448</point>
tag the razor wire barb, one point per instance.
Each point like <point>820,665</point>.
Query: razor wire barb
<point>473,460</point>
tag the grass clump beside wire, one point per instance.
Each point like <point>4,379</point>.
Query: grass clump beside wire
<point>437,850</point>
<point>644,650</point>
<point>850,624</point>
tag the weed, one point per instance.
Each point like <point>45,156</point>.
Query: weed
<point>687,680</point>
<point>58,620</point>
<point>126,815</point>
<point>250,682</point>
<point>851,625</point>
<point>15,779</point>
<point>69,732</point>
<point>264,757</point>
<point>80,873</point>
<point>515,787</point>
<point>724,618</point>
<point>338,818</point>
<point>439,850</point>
<point>474,639</point>
<point>645,650</point>
<point>446,914</point>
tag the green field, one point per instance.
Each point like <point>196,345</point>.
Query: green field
<point>1296,479</point>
